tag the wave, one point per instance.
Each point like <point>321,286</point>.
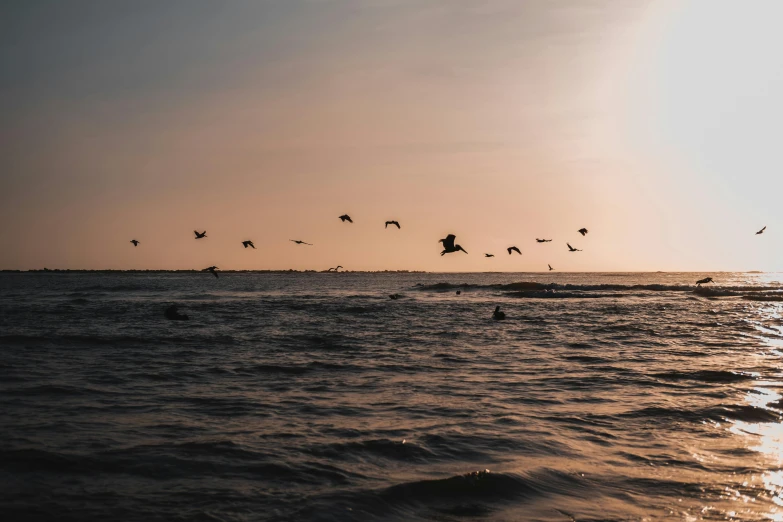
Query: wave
<point>379,448</point>
<point>175,461</point>
<point>474,485</point>
<point>292,369</point>
<point>551,294</point>
<point>723,376</point>
<point>446,286</point>
<point>763,297</point>
<point>473,494</point>
<point>114,288</point>
<point>119,340</point>
<point>470,494</point>
<point>717,414</point>
<point>535,289</point>
<point>57,391</point>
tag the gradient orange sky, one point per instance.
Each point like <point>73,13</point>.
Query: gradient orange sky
<point>653,124</point>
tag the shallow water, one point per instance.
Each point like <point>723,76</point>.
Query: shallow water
<point>316,397</point>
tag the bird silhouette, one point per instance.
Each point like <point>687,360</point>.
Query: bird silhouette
<point>346,217</point>
<point>300,242</point>
<point>704,281</point>
<point>449,246</point>
<point>550,267</point>
<point>543,240</point>
<point>572,249</point>
<point>135,243</point>
<point>199,236</point>
<point>392,223</point>
<point>513,249</point>
<point>248,244</point>
<point>336,269</point>
<point>211,269</point>
<point>762,230</point>
<point>582,231</point>
<point>497,315</point>
<point>489,255</point>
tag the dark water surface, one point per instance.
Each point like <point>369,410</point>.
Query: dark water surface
<point>316,397</point>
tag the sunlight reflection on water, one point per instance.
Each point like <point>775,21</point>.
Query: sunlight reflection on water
<point>764,438</point>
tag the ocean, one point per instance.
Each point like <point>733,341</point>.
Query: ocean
<point>316,397</point>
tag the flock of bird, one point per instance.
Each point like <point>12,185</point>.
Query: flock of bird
<point>449,246</point>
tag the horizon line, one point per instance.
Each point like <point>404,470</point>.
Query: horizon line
<point>314,271</point>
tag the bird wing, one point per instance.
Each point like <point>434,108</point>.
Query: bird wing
<point>387,224</point>
<point>251,244</point>
<point>397,224</point>
<point>569,246</point>
<point>448,243</point>
<point>762,230</point>
<point>195,232</point>
<point>516,250</point>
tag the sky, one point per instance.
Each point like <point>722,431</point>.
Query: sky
<point>654,124</point>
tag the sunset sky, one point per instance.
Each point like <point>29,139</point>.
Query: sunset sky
<point>656,125</point>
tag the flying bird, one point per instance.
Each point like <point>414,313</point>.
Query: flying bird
<point>489,255</point>
<point>762,230</point>
<point>248,244</point>
<point>513,249</point>
<point>135,243</point>
<point>300,242</point>
<point>346,217</point>
<point>449,246</point>
<point>392,223</point>
<point>199,236</point>
<point>582,231</point>
<point>550,267</point>
<point>572,249</point>
<point>704,281</point>
<point>336,269</point>
<point>211,269</point>
<point>497,315</point>
<point>543,240</point>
